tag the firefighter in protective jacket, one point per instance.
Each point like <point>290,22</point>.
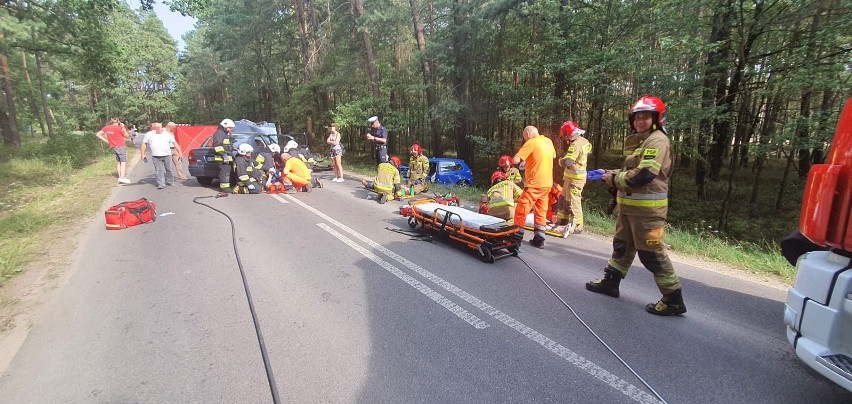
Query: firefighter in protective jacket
<point>222,148</point>
<point>418,169</point>
<point>570,214</point>
<point>387,181</point>
<point>512,173</point>
<point>643,186</point>
<point>248,177</point>
<point>501,198</point>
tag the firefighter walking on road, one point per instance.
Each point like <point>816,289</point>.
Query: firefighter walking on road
<point>570,215</point>
<point>643,186</point>
<point>222,148</point>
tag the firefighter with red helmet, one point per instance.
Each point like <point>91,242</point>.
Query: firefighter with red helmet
<point>387,181</point>
<point>569,217</point>
<point>512,173</point>
<point>501,198</point>
<point>643,186</point>
<point>418,169</point>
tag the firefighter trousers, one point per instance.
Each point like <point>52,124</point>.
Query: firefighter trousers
<point>224,176</point>
<point>571,203</point>
<point>643,236</point>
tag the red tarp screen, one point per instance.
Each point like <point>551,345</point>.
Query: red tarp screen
<point>191,136</point>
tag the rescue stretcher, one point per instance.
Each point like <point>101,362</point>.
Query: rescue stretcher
<point>530,225</point>
<point>490,236</point>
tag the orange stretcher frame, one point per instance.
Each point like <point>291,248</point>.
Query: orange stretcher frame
<point>492,242</point>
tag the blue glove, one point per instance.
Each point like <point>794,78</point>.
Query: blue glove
<point>595,175</point>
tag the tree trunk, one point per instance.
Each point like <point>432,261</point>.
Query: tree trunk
<point>48,115</point>
<point>428,81</point>
<point>765,134</point>
<point>712,86</point>
<point>372,73</point>
<point>11,137</point>
<point>779,201</point>
<point>33,102</point>
<point>461,77</point>
<point>802,125</point>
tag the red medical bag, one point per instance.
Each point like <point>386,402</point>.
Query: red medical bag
<point>129,214</point>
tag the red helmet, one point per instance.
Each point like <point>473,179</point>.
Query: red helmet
<point>498,176</point>
<point>570,130</point>
<point>652,104</point>
<point>505,161</point>
<point>416,149</point>
<point>395,161</point>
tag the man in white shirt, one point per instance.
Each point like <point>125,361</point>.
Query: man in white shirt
<point>160,141</point>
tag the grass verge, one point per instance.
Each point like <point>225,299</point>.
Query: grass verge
<point>44,197</point>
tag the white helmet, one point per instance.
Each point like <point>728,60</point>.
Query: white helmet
<point>275,148</point>
<point>290,146</point>
<point>244,149</point>
<point>227,123</point>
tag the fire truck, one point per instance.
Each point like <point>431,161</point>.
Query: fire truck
<point>818,311</point>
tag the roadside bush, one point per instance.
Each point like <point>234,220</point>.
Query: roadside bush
<point>67,149</point>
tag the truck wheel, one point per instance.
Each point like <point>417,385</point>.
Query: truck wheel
<point>204,180</point>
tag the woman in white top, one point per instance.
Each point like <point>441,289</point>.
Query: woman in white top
<point>336,152</point>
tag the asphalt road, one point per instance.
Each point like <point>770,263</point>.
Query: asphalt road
<point>351,311</point>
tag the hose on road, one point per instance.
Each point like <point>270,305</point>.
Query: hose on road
<point>273,388</point>
<point>612,351</point>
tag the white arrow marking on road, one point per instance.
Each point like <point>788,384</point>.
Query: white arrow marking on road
<point>431,293</point>
<point>580,362</point>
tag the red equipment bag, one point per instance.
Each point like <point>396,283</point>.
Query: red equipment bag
<point>129,214</point>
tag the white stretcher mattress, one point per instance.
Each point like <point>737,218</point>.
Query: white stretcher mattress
<point>471,219</point>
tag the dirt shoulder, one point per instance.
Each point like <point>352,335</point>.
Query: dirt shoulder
<point>23,297</point>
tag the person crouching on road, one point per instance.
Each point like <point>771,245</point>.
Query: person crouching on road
<point>538,153</point>
<point>248,178</point>
<point>274,182</point>
<point>512,173</point>
<point>570,213</point>
<point>223,156</point>
<point>297,172</point>
<point>418,169</point>
<point>501,198</point>
<point>643,187</point>
<point>159,141</point>
<point>387,181</point>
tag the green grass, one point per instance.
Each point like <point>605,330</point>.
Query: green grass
<point>43,197</point>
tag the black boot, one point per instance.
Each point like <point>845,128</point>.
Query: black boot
<point>537,241</point>
<point>608,285</point>
<point>670,305</point>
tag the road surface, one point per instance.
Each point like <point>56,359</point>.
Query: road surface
<point>351,311</point>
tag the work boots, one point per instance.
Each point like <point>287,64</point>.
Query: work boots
<point>608,285</point>
<point>670,305</point>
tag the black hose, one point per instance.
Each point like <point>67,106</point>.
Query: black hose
<point>594,333</point>
<point>273,388</point>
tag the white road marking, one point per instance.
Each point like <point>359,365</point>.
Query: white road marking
<point>635,393</point>
<point>431,293</point>
<point>280,199</point>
